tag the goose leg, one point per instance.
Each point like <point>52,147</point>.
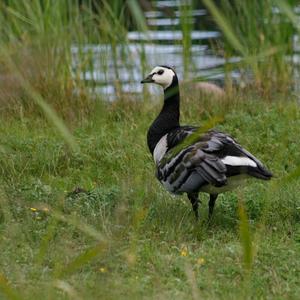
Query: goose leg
<point>211,204</point>
<point>195,203</point>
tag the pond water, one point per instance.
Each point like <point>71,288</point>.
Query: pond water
<point>161,44</point>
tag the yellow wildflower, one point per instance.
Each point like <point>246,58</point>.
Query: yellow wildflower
<point>184,251</point>
<point>33,209</point>
<point>103,270</point>
<point>200,261</point>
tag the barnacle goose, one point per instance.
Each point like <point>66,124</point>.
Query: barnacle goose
<point>211,162</point>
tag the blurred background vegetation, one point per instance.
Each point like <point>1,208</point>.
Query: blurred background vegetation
<point>72,51</point>
<point>81,213</point>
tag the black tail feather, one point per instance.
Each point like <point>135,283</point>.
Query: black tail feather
<point>257,172</point>
<point>261,173</point>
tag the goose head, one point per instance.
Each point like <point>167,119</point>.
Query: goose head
<point>161,75</point>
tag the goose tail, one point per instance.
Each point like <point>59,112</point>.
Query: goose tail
<point>261,172</point>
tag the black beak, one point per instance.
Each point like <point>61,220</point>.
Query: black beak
<point>148,79</point>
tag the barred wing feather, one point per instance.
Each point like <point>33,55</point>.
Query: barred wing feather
<point>210,160</point>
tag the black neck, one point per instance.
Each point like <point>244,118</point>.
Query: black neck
<point>168,118</point>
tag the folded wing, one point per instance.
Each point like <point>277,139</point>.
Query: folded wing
<point>211,159</point>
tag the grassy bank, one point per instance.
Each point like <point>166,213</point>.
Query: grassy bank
<point>81,213</point>
<point>127,237</point>
<point>38,65</point>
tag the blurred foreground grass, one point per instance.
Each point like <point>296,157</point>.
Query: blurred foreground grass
<point>127,237</point>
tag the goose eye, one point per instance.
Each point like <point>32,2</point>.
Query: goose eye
<point>160,72</point>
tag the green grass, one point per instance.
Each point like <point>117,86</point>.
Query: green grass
<point>129,238</point>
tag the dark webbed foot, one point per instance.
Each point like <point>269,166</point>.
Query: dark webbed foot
<point>195,203</point>
<point>211,204</point>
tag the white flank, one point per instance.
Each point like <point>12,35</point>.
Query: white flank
<point>238,161</point>
<point>160,149</point>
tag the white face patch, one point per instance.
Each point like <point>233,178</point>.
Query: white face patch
<point>160,149</point>
<point>238,161</point>
<point>162,76</point>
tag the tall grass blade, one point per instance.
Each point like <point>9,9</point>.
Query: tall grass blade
<point>68,289</point>
<point>190,274</point>
<point>83,259</point>
<point>245,238</point>
<point>137,14</point>
<point>288,11</point>
<point>225,26</point>
<point>194,137</point>
<point>50,114</point>
<point>19,16</point>
<point>7,290</point>
<point>80,225</point>
<point>46,241</point>
<point>186,28</point>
